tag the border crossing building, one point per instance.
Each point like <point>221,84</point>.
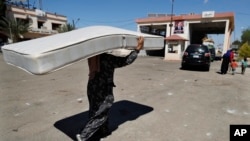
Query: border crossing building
<point>184,29</point>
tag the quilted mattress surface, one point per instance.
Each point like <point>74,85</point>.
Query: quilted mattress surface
<point>47,54</point>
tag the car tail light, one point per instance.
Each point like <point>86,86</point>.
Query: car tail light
<point>207,54</point>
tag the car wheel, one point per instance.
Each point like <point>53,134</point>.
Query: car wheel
<point>183,66</point>
<point>207,68</point>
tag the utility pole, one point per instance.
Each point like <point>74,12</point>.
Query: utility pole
<point>40,4</point>
<point>28,4</point>
<point>10,32</point>
<point>74,23</point>
<point>171,19</point>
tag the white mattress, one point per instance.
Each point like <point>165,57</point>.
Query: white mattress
<point>47,54</point>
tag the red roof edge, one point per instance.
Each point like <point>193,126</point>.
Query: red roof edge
<point>175,37</point>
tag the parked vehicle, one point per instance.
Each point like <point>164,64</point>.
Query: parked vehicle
<point>210,43</point>
<point>212,52</point>
<point>196,55</point>
<point>1,44</point>
<point>218,54</point>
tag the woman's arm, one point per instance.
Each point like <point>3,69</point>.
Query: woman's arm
<point>123,61</point>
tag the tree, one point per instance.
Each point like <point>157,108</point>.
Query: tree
<point>244,50</point>
<point>2,8</point>
<point>245,37</point>
<point>236,42</point>
<point>13,28</point>
<point>66,28</point>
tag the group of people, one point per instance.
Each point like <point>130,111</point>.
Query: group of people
<point>229,63</point>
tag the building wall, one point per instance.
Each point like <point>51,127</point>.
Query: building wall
<point>188,19</point>
<point>35,16</point>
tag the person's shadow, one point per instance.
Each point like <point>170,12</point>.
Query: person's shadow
<point>120,112</point>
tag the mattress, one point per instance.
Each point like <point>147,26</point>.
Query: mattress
<point>47,54</point>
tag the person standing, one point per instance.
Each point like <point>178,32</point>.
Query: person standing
<point>225,62</point>
<point>234,65</point>
<point>100,91</point>
<point>231,57</point>
<point>244,65</point>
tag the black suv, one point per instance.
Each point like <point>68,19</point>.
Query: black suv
<point>1,44</point>
<point>196,55</point>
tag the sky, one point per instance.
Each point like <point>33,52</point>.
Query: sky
<point>123,13</point>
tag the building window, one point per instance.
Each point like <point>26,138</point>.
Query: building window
<point>172,48</point>
<point>155,30</point>
<point>55,26</point>
<point>40,24</point>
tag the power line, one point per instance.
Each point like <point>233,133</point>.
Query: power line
<point>247,14</point>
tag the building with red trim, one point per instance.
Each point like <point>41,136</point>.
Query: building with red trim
<point>187,29</point>
<point>41,23</point>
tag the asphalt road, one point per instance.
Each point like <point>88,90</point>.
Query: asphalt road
<point>154,101</point>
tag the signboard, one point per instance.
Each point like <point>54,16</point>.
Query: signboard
<point>178,27</point>
<point>208,14</point>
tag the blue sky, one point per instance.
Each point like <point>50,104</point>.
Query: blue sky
<point>122,14</point>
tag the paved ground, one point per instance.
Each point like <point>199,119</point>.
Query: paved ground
<point>155,101</point>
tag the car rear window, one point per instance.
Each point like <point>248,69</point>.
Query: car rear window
<point>197,48</point>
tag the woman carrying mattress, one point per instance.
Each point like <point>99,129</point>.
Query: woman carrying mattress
<point>100,91</point>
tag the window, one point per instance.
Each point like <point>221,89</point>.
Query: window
<point>55,26</point>
<point>172,48</point>
<point>40,24</point>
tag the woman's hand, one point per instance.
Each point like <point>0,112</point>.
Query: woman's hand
<point>140,43</point>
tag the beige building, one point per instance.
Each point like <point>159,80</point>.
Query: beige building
<point>187,29</point>
<point>41,23</point>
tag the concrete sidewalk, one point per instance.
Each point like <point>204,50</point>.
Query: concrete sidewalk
<point>154,101</point>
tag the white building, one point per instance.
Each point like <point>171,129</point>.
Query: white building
<point>187,29</point>
<point>41,23</point>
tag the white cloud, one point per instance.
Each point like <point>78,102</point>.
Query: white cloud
<point>205,1</point>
